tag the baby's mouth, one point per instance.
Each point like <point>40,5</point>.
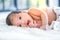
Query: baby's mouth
<point>31,24</point>
<point>28,22</point>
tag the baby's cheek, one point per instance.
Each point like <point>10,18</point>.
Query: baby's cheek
<point>16,23</point>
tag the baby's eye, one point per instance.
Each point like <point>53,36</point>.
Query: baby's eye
<point>19,17</point>
<point>20,25</point>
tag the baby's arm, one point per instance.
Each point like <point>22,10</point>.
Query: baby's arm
<point>36,13</point>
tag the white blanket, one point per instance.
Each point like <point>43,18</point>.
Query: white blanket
<point>18,33</point>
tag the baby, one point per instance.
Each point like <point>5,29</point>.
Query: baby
<point>34,18</point>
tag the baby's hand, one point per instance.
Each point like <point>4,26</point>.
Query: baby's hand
<point>33,24</point>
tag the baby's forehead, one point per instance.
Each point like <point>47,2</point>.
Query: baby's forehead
<point>12,16</point>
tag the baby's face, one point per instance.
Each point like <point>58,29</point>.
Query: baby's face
<point>22,19</point>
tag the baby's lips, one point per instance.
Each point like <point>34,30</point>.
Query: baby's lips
<point>28,21</point>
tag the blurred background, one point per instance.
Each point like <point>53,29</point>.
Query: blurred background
<point>11,5</point>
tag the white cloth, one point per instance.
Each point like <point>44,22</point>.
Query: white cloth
<point>57,11</point>
<point>55,24</point>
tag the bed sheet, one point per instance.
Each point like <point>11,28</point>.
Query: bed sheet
<point>18,33</point>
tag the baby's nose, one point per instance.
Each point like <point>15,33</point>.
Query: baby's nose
<point>23,23</point>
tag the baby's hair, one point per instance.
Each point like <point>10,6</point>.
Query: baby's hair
<point>8,21</point>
